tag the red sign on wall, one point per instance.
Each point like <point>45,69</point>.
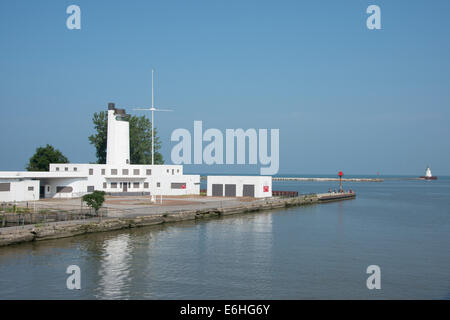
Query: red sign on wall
<point>266,189</point>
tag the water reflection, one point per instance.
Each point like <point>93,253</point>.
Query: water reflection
<point>115,266</point>
<point>202,259</point>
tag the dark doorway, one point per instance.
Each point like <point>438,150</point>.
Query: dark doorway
<point>249,190</point>
<point>42,192</point>
<point>125,186</point>
<point>230,190</point>
<point>217,190</point>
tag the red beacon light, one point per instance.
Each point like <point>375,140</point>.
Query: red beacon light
<point>340,174</point>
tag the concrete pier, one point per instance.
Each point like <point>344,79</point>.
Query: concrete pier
<point>333,196</point>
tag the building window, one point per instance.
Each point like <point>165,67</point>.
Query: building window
<point>113,185</point>
<point>178,170</point>
<point>136,185</point>
<point>48,188</point>
<point>158,184</point>
<point>75,169</point>
<point>66,169</point>
<point>114,172</point>
<point>57,168</point>
<point>149,172</point>
<point>136,172</point>
<point>30,188</point>
<point>173,171</point>
<point>103,172</point>
<point>167,170</point>
<point>5,186</point>
<point>104,185</point>
<point>91,172</point>
<point>90,189</point>
<point>125,172</point>
<point>178,185</point>
<point>63,189</point>
<point>145,185</point>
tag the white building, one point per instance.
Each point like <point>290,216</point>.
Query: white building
<point>13,189</point>
<point>116,177</point>
<point>239,186</point>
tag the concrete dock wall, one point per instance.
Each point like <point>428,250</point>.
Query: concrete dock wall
<point>63,229</point>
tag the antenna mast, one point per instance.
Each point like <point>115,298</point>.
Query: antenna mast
<point>153,128</point>
<point>152,109</point>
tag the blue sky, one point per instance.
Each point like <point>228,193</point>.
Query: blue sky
<point>344,97</point>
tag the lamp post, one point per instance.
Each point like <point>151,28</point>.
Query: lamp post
<point>340,174</point>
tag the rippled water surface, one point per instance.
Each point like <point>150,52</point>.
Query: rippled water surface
<point>319,251</point>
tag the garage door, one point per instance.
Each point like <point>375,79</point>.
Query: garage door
<point>249,190</point>
<point>217,190</point>
<point>230,190</point>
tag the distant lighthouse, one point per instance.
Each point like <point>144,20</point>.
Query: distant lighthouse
<point>428,175</point>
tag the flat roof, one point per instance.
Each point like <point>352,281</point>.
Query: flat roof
<point>40,175</point>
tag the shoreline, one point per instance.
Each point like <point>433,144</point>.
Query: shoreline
<point>64,229</point>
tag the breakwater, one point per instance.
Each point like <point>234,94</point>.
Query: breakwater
<point>63,229</point>
<point>327,179</point>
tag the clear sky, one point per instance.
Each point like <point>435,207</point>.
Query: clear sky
<point>344,97</point>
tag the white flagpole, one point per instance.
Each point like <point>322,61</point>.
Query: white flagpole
<point>152,109</point>
<point>153,127</point>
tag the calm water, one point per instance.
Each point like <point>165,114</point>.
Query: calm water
<point>319,251</point>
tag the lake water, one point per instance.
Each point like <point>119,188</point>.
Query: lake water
<point>312,252</point>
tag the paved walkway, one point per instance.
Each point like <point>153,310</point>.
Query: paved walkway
<point>132,206</point>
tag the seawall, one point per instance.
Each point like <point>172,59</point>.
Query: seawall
<point>63,229</point>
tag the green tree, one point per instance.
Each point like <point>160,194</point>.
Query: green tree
<point>43,157</point>
<point>140,139</point>
<point>95,199</point>
<point>99,140</point>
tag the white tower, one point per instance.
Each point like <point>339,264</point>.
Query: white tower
<point>428,172</point>
<point>118,143</point>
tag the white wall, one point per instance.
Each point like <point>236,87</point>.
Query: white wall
<point>118,141</point>
<point>19,190</point>
<point>165,175</point>
<point>80,176</point>
<point>78,186</point>
<point>258,181</point>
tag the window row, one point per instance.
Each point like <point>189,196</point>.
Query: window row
<point>125,172</point>
<point>134,185</point>
<point>114,172</point>
<point>75,169</point>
